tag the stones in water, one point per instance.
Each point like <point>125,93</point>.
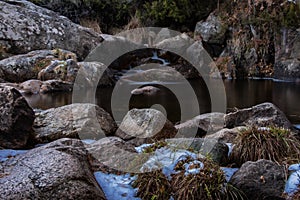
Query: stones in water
<point>145,126</point>
<point>84,121</point>
<point>147,91</point>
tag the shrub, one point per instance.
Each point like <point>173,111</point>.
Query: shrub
<point>276,144</point>
<point>179,12</point>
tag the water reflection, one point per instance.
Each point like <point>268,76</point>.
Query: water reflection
<point>240,94</point>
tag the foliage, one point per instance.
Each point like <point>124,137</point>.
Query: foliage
<point>157,145</point>
<point>108,13</point>
<point>153,185</point>
<point>255,25</point>
<point>209,183</point>
<point>276,144</point>
<point>179,12</point>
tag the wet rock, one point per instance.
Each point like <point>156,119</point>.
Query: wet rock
<point>55,86</point>
<point>263,179</point>
<point>226,135</point>
<point>27,27</point>
<point>201,125</point>
<point>145,126</point>
<point>217,151</point>
<point>110,154</point>
<point>212,30</point>
<point>288,70</point>
<point>262,115</point>
<point>86,121</point>
<point>16,119</point>
<point>147,91</point>
<point>59,170</point>
<point>31,86</point>
<point>163,74</point>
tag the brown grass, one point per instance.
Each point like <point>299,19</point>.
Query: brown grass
<point>153,185</point>
<point>276,144</point>
<point>209,184</point>
<point>91,23</point>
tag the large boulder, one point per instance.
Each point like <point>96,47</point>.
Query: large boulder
<point>110,154</point>
<point>24,67</point>
<point>59,170</point>
<point>263,115</point>
<point>16,119</point>
<point>201,125</point>
<point>27,27</point>
<point>263,179</point>
<point>144,126</point>
<point>226,135</point>
<point>288,70</point>
<point>212,30</point>
<point>87,121</point>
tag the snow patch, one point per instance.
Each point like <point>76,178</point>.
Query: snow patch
<point>229,172</point>
<point>117,187</point>
<point>293,183</point>
<point>7,153</point>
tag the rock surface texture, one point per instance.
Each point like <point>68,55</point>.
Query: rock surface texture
<point>16,119</point>
<point>265,114</point>
<point>86,121</point>
<point>263,179</point>
<point>59,170</point>
<point>26,27</point>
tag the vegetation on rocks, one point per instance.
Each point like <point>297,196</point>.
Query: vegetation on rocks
<point>209,183</point>
<point>255,26</point>
<point>276,144</point>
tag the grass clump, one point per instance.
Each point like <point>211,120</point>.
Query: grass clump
<point>153,185</point>
<point>276,144</point>
<point>210,183</point>
<point>207,183</point>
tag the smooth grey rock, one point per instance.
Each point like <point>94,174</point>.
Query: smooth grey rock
<point>226,135</point>
<point>16,119</point>
<point>145,125</point>
<point>86,121</point>
<point>59,170</point>
<point>263,179</point>
<point>111,154</point>
<point>203,124</point>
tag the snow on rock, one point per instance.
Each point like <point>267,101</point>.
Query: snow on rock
<point>117,187</point>
<point>293,183</point>
<point>141,148</point>
<point>7,153</point>
<point>229,172</point>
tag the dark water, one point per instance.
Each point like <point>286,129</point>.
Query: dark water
<point>239,93</point>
